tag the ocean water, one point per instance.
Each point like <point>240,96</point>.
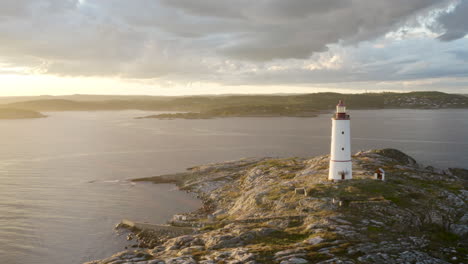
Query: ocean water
<point>64,179</point>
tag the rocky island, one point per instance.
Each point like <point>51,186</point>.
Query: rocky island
<point>266,210</point>
<point>244,111</point>
<point>12,113</point>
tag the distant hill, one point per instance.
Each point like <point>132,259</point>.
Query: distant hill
<point>425,100</point>
<point>307,105</point>
<point>246,105</point>
<point>9,113</point>
<point>71,105</point>
<point>81,97</point>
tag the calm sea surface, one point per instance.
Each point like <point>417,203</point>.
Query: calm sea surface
<point>64,179</point>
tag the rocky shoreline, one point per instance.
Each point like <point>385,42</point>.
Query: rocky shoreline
<point>285,211</point>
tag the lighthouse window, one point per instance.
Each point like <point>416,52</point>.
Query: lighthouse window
<point>342,132</point>
<point>342,148</point>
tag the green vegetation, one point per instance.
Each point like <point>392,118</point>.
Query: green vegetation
<point>445,236</point>
<point>369,190</point>
<point>374,229</point>
<point>425,100</point>
<point>244,111</point>
<point>276,193</point>
<point>279,238</point>
<point>302,105</point>
<point>289,163</point>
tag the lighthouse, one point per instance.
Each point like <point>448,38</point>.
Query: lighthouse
<point>340,156</point>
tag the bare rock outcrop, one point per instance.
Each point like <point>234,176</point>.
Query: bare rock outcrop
<point>253,213</point>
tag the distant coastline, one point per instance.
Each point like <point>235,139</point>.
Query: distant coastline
<point>243,111</point>
<point>205,107</point>
<point>12,113</point>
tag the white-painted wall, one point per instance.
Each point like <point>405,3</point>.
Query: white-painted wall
<point>340,157</point>
<point>376,175</point>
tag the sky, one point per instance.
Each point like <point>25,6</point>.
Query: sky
<point>181,47</point>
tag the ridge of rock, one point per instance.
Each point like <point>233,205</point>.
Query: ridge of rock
<point>254,213</point>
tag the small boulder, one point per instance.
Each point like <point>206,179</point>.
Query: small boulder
<point>396,155</point>
<point>315,240</point>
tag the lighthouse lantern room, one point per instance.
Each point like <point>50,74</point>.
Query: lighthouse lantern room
<point>340,156</point>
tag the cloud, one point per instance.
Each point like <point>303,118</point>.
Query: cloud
<point>455,23</point>
<point>230,41</point>
<point>276,29</point>
<point>29,8</point>
<point>398,61</point>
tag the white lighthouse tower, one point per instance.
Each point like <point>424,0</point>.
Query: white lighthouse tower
<point>340,156</point>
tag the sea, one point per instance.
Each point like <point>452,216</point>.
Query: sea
<point>65,179</point>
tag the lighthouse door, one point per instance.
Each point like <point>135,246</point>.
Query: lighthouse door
<point>342,173</point>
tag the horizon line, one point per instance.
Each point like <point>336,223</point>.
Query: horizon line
<point>221,94</point>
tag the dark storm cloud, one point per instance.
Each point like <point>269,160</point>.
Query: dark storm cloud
<point>455,23</point>
<point>277,29</point>
<point>226,41</point>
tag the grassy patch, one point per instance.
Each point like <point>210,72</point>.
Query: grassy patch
<point>454,187</point>
<point>368,190</point>
<point>328,236</point>
<point>341,249</point>
<point>290,164</point>
<point>416,195</point>
<point>444,236</point>
<point>394,199</point>
<point>287,176</point>
<point>273,196</point>
<point>372,188</point>
<point>295,223</point>
<point>374,232</point>
<point>264,253</point>
<point>463,251</point>
<point>278,192</point>
<point>280,238</point>
<point>213,226</point>
<point>317,257</point>
<point>276,163</point>
<point>356,189</point>
<point>374,229</point>
<point>438,236</point>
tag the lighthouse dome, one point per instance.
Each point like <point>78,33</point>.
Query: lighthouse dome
<point>341,107</point>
